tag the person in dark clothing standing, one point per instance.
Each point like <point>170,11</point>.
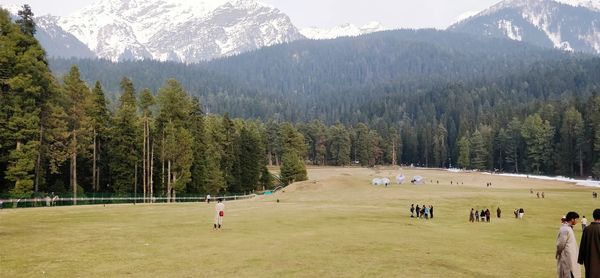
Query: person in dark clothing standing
<point>418,211</point>
<point>472,215</point>
<point>498,212</point>
<point>488,215</point>
<point>589,247</point>
<point>412,210</point>
<point>431,211</point>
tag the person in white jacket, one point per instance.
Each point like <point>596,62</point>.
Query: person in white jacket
<point>219,214</point>
<point>566,249</point>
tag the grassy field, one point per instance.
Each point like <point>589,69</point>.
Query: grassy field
<point>335,225</point>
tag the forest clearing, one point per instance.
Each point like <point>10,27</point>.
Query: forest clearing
<point>334,224</point>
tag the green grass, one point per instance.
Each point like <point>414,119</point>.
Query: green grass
<point>335,225</point>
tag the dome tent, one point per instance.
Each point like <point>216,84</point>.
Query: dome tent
<point>386,181</point>
<point>400,179</point>
<point>417,180</point>
<point>377,181</point>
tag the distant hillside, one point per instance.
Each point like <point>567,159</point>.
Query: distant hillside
<point>330,79</point>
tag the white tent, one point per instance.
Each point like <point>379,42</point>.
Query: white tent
<point>386,181</point>
<point>377,181</point>
<point>400,179</point>
<point>417,180</point>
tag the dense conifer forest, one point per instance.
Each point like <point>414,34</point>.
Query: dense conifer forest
<point>427,98</point>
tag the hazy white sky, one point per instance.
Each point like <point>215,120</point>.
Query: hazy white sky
<point>328,13</point>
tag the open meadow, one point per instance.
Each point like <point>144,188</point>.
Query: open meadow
<point>334,225</point>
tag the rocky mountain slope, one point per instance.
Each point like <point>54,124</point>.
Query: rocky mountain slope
<point>571,25</point>
<point>167,30</point>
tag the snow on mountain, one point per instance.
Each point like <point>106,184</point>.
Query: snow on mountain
<point>590,4</point>
<point>56,41</point>
<point>344,30</point>
<point>570,25</point>
<point>180,30</point>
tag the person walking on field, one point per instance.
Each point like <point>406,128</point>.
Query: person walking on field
<point>522,213</point>
<point>488,215</point>
<point>583,223</point>
<point>219,214</point>
<point>498,212</point>
<point>472,216</point>
<point>476,216</point>
<point>589,248</point>
<point>412,210</point>
<point>418,209</point>
<point>566,249</point>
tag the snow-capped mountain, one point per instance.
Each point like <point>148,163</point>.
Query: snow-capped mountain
<point>56,41</point>
<point>571,25</point>
<point>344,30</point>
<point>177,30</point>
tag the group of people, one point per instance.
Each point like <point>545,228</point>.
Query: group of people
<point>569,256</point>
<point>543,195</point>
<point>422,212</point>
<point>485,215</point>
<point>519,213</point>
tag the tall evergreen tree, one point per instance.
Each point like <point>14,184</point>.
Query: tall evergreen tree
<point>464,153</point>
<point>572,141</point>
<point>339,145</point>
<point>537,135</point>
<point>80,125</point>
<point>124,141</point>
<point>26,21</point>
<point>25,86</point>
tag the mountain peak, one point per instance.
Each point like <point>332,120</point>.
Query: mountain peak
<point>571,25</point>
<point>181,30</point>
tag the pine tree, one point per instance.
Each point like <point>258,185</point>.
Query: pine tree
<point>124,141</point>
<point>179,156</point>
<point>393,144</point>
<point>514,142</point>
<point>250,158</point>
<point>25,21</point>
<point>145,104</point>
<point>292,169</point>
<point>100,117</point>
<point>572,141</point>
<point>440,146</point>
<point>537,135</point>
<point>478,152</point>
<point>339,145</point>
<point>199,147</point>
<point>80,126</point>
<point>464,153</point>
<point>25,86</point>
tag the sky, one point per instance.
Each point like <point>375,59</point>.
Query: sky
<point>328,13</point>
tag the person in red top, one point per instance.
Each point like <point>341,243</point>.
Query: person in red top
<point>219,213</point>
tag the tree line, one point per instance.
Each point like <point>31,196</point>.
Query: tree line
<point>61,135</point>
